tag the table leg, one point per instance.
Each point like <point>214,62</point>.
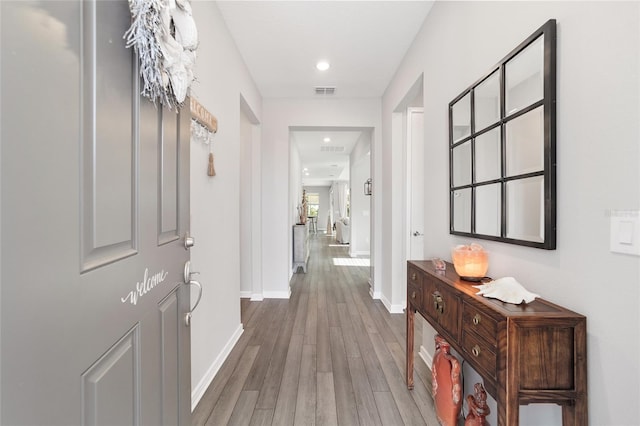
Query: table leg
<point>411,313</point>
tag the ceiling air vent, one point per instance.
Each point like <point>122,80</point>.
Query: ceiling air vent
<point>325,90</point>
<point>326,148</point>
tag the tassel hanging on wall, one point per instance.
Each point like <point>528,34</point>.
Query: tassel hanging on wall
<point>211,171</point>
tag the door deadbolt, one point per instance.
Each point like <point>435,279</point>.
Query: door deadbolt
<point>189,241</point>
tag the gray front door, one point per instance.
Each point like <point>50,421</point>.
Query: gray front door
<point>94,210</point>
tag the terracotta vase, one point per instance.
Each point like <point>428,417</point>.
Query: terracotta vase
<point>478,408</point>
<point>447,384</point>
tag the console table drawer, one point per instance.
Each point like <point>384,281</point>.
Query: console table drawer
<point>414,276</point>
<point>476,320</point>
<point>479,351</point>
<point>414,295</point>
<point>442,305</point>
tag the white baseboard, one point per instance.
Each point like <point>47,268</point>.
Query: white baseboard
<point>426,356</point>
<point>277,294</point>
<point>375,294</point>
<point>360,253</point>
<point>254,297</point>
<point>205,381</point>
<point>393,309</point>
<point>385,302</point>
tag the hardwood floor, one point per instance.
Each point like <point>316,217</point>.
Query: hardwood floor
<point>330,355</point>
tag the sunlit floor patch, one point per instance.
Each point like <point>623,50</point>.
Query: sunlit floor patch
<point>346,261</point>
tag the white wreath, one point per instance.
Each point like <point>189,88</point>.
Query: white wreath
<point>164,34</point>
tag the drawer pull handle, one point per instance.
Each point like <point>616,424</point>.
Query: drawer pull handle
<point>413,295</point>
<point>476,319</point>
<point>414,276</point>
<point>438,303</point>
<point>475,351</point>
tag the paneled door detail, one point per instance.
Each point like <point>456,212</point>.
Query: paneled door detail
<point>109,152</point>
<point>117,367</point>
<point>168,168</point>
<point>95,207</point>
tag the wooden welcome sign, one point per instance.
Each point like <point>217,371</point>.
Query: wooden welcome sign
<point>210,122</point>
<point>202,116</point>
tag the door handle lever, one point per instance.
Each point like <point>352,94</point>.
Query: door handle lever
<point>188,273</point>
<point>417,234</point>
<point>188,315</point>
<point>188,281</point>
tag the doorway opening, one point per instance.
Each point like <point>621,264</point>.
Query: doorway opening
<point>250,202</point>
<point>331,166</point>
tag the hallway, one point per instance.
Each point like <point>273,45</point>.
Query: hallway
<point>328,355</point>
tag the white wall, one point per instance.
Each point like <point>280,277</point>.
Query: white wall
<point>360,171</point>
<point>293,217</point>
<point>598,156</point>
<point>389,272</point>
<point>246,206</point>
<point>0,269</point>
<point>278,115</point>
<point>250,204</point>
<point>336,187</point>
<point>256,186</point>
<point>323,208</point>
<point>222,79</point>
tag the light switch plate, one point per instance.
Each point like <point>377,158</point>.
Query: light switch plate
<point>625,232</point>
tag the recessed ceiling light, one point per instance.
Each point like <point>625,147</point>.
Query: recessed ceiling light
<point>323,65</point>
<point>327,140</point>
<point>306,174</point>
<point>305,169</point>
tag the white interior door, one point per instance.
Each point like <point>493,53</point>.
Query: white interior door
<point>95,206</point>
<point>415,186</point>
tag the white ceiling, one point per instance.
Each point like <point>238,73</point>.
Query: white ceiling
<point>325,162</point>
<point>364,41</point>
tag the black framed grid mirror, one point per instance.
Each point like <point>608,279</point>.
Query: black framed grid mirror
<point>502,155</point>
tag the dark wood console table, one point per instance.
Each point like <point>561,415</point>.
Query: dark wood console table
<point>530,353</point>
